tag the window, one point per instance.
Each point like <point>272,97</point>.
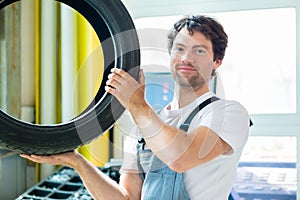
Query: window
<point>260,60</point>
<point>259,70</point>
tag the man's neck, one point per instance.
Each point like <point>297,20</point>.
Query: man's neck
<point>186,96</point>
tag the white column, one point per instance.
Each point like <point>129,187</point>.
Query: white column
<point>69,61</point>
<point>48,69</point>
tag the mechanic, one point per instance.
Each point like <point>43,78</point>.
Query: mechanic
<point>192,148</point>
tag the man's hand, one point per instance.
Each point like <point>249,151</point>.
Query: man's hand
<point>126,89</point>
<point>98,184</point>
<point>66,159</point>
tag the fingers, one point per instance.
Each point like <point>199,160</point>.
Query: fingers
<point>34,158</point>
<point>115,76</point>
<point>142,77</point>
<point>122,85</point>
<point>66,158</point>
<point>115,79</point>
<point>112,83</point>
<point>120,72</point>
<point>24,155</point>
<point>120,76</point>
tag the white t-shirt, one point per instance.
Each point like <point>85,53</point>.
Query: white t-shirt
<point>228,119</point>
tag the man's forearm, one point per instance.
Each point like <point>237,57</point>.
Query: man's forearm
<point>167,142</point>
<point>99,185</point>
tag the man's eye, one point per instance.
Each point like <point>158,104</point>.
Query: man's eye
<point>200,51</point>
<point>179,49</point>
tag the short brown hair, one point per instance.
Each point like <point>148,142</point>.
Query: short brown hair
<point>208,26</point>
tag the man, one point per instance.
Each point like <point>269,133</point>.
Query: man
<point>170,162</point>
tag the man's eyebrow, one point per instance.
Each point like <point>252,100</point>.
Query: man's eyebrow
<point>194,47</point>
<point>200,46</point>
<point>179,44</point>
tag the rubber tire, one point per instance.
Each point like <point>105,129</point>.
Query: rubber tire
<point>119,41</point>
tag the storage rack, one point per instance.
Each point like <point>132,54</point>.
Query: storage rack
<point>255,181</point>
<point>65,183</point>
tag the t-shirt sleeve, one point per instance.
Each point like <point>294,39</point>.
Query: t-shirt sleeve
<point>130,135</point>
<point>230,120</point>
<point>129,164</point>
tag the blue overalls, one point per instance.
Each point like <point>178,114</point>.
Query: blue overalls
<point>160,182</point>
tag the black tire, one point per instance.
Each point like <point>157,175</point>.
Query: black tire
<point>119,41</point>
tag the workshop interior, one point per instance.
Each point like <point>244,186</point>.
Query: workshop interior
<point>54,61</point>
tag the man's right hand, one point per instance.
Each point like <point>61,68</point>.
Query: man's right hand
<point>66,158</point>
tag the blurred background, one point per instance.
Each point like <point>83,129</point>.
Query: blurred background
<point>57,67</point>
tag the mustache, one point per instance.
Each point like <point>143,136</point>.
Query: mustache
<point>182,64</point>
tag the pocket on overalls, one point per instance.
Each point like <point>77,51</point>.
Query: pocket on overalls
<point>164,184</point>
<point>145,158</point>
<point>180,191</point>
<point>160,182</point>
<point>158,185</point>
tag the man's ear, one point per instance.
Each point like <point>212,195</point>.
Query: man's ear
<point>218,62</point>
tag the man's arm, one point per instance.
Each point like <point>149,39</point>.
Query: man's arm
<point>172,145</point>
<point>176,148</point>
<point>99,185</point>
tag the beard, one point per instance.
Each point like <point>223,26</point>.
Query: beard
<point>193,81</point>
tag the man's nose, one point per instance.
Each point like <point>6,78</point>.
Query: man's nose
<point>187,57</point>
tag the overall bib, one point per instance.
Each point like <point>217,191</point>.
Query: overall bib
<point>160,182</point>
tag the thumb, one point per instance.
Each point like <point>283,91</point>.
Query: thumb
<point>142,77</point>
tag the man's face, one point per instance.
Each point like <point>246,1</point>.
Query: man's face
<point>192,59</point>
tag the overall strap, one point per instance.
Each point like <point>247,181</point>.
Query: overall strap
<point>185,125</point>
<point>172,185</point>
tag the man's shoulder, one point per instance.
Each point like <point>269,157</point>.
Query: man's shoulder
<point>230,105</point>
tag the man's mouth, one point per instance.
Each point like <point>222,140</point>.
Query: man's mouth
<point>186,68</point>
